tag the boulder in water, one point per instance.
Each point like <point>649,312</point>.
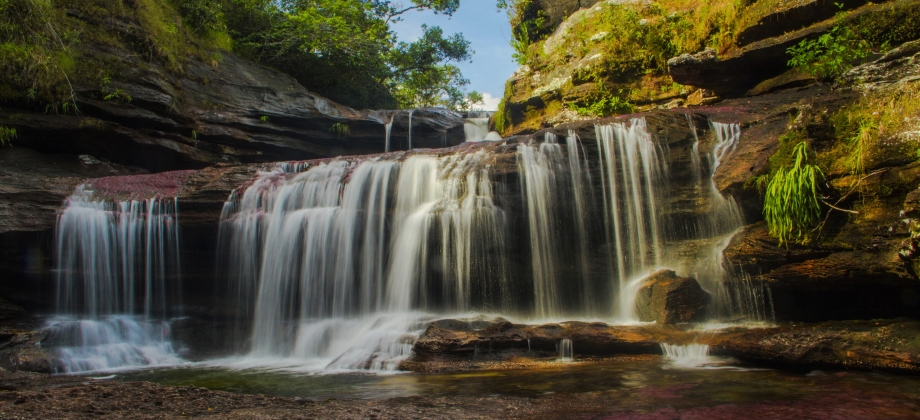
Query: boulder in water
<point>669,299</point>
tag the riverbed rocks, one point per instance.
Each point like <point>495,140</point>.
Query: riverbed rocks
<point>666,298</point>
<point>464,344</point>
<point>890,345</point>
<point>451,344</point>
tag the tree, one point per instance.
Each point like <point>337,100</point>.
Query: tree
<point>345,50</point>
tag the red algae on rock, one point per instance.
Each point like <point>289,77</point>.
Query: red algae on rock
<point>136,187</point>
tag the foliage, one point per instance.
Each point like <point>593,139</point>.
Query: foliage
<point>832,53</point>
<point>34,58</point>
<point>6,135</point>
<point>472,100</point>
<point>604,106</point>
<point>202,15</point>
<point>340,129</point>
<point>418,78</point>
<point>110,94</point>
<point>791,205</point>
<point>883,125</point>
<point>344,49</point>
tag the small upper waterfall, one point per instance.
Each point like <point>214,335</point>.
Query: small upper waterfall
<point>388,128</point>
<point>410,129</point>
<point>476,127</point>
<point>117,267</point>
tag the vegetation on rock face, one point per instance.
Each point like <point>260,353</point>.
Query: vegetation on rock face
<point>6,135</point>
<point>344,50</point>
<point>831,54</point>
<point>607,59</point>
<point>883,127</point>
<point>791,205</point>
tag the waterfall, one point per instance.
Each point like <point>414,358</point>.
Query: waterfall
<point>687,356</point>
<point>367,244</point>
<point>117,266</point>
<point>388,127</point>
<point>410,129</point>
<point>632,178</point>
<point>340,264</point>
<point>722,222</point>
<point>565,350</point>
<point>476,127</point>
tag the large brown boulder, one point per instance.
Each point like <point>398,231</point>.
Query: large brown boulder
<point>669,299</point>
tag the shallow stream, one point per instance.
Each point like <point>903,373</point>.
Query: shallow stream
<point>645,383</point>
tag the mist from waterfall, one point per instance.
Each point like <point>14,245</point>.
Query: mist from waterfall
<point>117,266</point>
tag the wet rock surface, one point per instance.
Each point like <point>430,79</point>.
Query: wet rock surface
<point>666,298</point>
<point>890,345</point>
<point>452,344</point>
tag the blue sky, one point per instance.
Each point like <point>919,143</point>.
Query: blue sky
<point>488,31</point>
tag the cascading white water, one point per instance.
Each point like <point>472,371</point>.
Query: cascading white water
<point>340,264</point>
<point>632,178</point>
<point>410,129</point>
<point>566,350</point>
<point>110,343</point>
<point>722,222</point>
<point>118,279</point>
<point>687,356</point>
<point>540,164</point>
<point>476,127</point>
<point>388,128</point>
<point>346,253</point>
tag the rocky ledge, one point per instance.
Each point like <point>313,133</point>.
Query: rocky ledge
<point>890,345</point>
<point>233,111</point>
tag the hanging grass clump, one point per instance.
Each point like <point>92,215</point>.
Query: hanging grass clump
<point>791,204</point>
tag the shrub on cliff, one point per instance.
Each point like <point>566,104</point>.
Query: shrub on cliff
<point>832,53</point>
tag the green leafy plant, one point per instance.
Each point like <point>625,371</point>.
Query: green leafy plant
<point>195,134</point>
<point>340,129</point>
<point>202,15</point>
<point>6,135</point>
<point>605,106</point>
<point>263,118</point>
<point>110,94</point>
<point>791,204</point>
<point>832,53</point>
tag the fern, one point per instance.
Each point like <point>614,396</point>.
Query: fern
<point>791,205</point>
<point>6,135</point>
<point>340,129</point>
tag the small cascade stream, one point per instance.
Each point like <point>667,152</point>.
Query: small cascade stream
<point>117,268</point>
<point>476,127</point>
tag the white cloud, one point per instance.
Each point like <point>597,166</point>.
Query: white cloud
<point>489,102</point>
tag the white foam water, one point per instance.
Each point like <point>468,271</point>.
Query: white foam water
<point>110,344</point>
<point>688,356</point>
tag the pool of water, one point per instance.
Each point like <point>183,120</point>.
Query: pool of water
<point>654,380</point>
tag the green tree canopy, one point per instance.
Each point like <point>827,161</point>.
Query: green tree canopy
<point>346,51</point>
